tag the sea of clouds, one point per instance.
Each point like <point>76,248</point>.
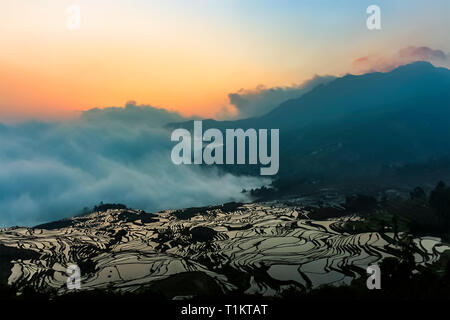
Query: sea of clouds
<point>52,170</point>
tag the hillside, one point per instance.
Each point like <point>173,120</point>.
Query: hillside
<point>266,248</point>
<point>379,127</point>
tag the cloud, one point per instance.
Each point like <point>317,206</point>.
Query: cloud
<point>139,115</point>
<point>377,63</point>
<point>52,170</point>
<point>423,53</point>
<point>261,100</point>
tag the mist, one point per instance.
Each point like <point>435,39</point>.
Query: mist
<point>52,170</point>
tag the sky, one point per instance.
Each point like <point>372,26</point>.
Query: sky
<point>191,56</point>
<point>83,112</point>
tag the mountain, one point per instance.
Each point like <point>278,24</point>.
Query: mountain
<point>361,126</point>
<point>407,87</point>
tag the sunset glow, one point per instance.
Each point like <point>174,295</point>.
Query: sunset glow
<point>185,55</point>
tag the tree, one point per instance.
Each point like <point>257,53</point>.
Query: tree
<point>440,201</point>
<point>418,194</point>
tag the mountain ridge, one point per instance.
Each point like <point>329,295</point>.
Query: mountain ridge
<point>356,125</point>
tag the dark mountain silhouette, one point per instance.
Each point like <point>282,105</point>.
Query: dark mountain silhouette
<point>361,127</point>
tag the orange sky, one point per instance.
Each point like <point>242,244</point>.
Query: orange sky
<point>180,55</point>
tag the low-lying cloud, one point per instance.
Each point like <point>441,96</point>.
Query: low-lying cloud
<point>259,101</point>
<point>52,170</point>
<point>377,63</point>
